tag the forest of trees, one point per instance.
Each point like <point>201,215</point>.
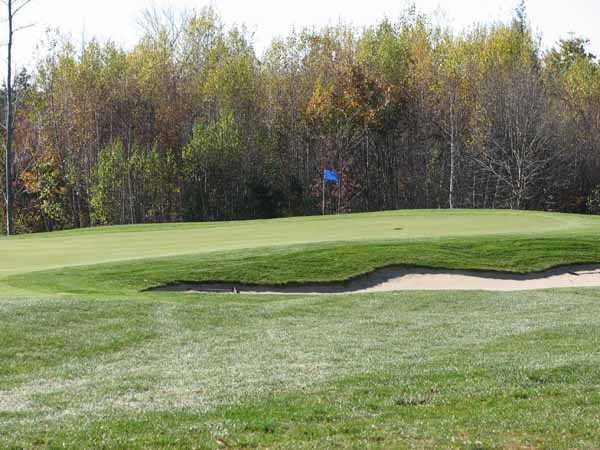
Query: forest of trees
<point>190,124</point>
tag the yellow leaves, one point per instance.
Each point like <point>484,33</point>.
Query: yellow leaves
<point>504,47</point>
<point>583,79</point>
<point>30,181</point>
<point>351,97</point>
<point>320,103</point>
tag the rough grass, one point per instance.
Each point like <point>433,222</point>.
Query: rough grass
<point>418,370</point>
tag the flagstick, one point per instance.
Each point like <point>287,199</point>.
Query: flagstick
<point>323,210</point>
<point>340,194</point>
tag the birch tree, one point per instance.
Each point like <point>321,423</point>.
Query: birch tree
<point>13,7</point>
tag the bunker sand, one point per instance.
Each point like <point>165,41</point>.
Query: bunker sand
<point>415,279</point>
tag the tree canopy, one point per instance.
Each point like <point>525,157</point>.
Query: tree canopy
<point>191,124</point>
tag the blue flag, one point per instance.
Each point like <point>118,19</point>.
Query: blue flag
<point>330,175</point>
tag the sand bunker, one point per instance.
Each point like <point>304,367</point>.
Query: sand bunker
<point>416,279</point>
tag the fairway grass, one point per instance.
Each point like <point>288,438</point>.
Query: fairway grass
<point>88,359</point>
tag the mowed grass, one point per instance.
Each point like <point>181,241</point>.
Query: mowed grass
<point>313,263</point>
<point>88,360</point>
<point>314,249</point>
<point>420,370</point>
<point>92,246</point>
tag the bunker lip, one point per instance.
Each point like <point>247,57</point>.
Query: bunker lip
<point>399,278</point>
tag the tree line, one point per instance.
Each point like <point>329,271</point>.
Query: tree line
<point>191,124</point>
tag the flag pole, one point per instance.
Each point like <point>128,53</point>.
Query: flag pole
<point>339,193</point>
<point>323,207</point>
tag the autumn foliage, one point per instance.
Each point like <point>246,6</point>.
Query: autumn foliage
<point>191,124</point>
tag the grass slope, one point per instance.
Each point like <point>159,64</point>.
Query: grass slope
<point>316,263</point>
<point>92,246</point>
<point>89,361</point>
<point>341,247</point>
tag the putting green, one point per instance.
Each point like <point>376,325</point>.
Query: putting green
<point>92,246</point>
<point>98,245</point>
